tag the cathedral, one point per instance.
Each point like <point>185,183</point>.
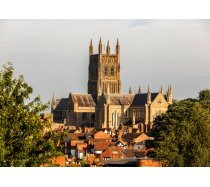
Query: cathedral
<point>104,106</point>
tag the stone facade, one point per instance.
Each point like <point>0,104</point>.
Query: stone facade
<point>80,109</point>
<point>105,106</point>
<point>104,71</point>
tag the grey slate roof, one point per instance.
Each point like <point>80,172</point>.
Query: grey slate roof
<point>130,136</point>
<point>62,104</point>
<point>131,99</point>
<point>121,99</point>
<point>141,99</point>
<point>83,100</point>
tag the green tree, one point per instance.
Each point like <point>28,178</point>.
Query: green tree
<point>204,99</point>
<point>204,95</point>
<point>25,138</point>
<point>182,135</point>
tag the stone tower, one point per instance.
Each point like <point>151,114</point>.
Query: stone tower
<point>104,70</point>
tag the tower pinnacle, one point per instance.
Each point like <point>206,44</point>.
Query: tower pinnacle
<point>161,90</point>
<point>148,95</point>
<point>139,92</point>
<point>108,48</point>
<point>117,47</point>
<point>100,46</point>
<point>130,90</point>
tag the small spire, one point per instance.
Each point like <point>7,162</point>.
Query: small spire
<point>117,42</point>
<point>130,90</point>
<point>139,92</point>
<point>161,90</point>
<point>148,95</point>
<point>149,89</point>
<point>100,43</point>
<point>170,89</point>
<point>169,94</point>
<point>91,44</point>
<point>53,99</point>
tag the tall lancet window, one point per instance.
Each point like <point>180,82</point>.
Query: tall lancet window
<point>105,71</point>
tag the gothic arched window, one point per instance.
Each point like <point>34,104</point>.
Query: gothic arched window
<point>112,71</point>
<point>105,71</point>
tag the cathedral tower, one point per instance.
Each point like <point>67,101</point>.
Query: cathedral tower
<point>104,70</point>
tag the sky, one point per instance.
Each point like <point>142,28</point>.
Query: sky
<point>53,54</point>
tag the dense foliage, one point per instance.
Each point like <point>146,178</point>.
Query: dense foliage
<point>204,95</point>
<point>25,138</point>
<point>182,134</point>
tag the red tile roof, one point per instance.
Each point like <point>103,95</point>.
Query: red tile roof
<point>100,146</point>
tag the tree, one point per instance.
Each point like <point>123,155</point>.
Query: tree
<point>204,95</point>
<point>204,98</point>
<point>182,135</point>
<point>25,137</point>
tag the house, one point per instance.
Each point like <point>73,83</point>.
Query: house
<point>116,153</point>
<point>71,141</point>
<point>120,143</point>
<point>134,137</point>
<point>139,142</point>
<point>99,147</point>
<point>81,149</point>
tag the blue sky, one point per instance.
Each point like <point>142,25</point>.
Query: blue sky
<point>53,54</point>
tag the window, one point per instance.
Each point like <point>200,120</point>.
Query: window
<point>112,71</point>
<point>105,71</point>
